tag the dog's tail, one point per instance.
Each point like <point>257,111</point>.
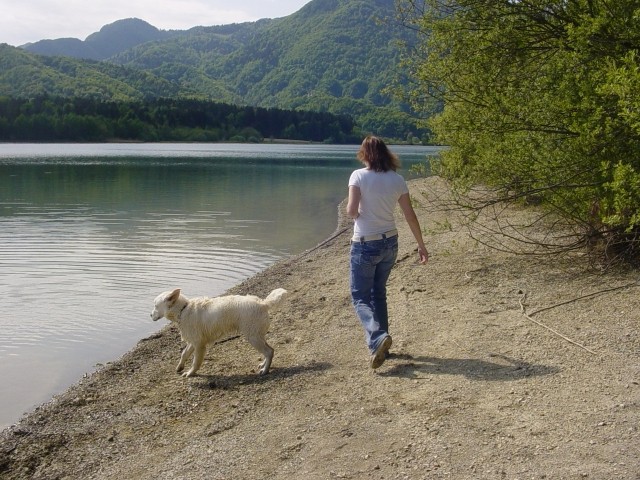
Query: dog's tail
<point>275,298</point>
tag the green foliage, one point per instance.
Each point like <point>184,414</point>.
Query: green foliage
<point>337,56</point>
<point>24,75</point>
<point>427,168</point>
<point>540,101</point>
<point>622,204</point>
<point>84,119</point>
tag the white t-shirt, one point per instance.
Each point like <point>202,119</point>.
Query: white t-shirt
<point>380,192</point>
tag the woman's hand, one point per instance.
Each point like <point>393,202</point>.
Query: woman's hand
<point>424,255</point>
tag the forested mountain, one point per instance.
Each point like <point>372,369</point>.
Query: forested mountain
<point>338,56</point>
<point>110,40</point>
<point>25,75</point>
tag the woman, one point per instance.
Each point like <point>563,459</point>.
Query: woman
<point>373,193</point>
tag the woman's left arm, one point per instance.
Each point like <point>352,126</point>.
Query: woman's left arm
<point>412,219</point>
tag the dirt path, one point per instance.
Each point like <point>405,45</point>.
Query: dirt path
<point>475,388</point>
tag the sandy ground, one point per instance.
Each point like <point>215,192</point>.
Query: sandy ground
<point>503,367</point>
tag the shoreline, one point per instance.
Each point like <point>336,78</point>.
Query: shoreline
<point>473,388</point>
<point>341,225</point>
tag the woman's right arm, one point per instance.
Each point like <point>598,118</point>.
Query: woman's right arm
<point>353,204</point>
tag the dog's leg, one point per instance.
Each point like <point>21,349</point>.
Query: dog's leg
<point>260,344</point>
<point>198,358</point>
<point>186,353</point>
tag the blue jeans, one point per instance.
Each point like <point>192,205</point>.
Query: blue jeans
<point>371,264</point>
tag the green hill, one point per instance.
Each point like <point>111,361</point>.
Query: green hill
<point>25,75</point>
<point>110,40</point>
<point>337,56</point>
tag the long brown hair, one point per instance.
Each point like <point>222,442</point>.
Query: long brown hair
<point>376,156</point>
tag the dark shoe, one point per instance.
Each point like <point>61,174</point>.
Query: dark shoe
<point>380,355</point>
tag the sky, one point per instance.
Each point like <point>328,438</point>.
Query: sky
<point>24,21</point>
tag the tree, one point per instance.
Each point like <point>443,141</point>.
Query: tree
<point>540,103</point>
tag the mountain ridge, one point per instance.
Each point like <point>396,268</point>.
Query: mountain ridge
<point>111,39</point>
<point>338,56</point>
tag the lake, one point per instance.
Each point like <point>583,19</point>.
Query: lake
<point>91,233</point>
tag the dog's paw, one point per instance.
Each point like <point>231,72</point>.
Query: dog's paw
<point>190,373</point>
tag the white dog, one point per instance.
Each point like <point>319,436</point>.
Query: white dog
<point>204,320</point>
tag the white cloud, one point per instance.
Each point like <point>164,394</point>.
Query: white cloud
<point>31,20</point>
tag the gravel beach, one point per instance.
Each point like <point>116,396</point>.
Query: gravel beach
<point>503,366</point>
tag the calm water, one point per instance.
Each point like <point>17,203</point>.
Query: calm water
<point>90,234</point>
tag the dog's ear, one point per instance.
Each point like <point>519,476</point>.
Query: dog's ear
<point>173,296</point>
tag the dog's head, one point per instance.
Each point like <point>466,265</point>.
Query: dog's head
<point>163,304</point>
